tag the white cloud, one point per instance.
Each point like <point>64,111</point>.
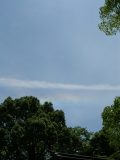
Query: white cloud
<point>17,83</point>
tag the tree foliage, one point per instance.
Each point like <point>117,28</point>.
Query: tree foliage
<point>28,129</point>
<point>100,144</point>
<point>111,122</point>
<point>110,17</point>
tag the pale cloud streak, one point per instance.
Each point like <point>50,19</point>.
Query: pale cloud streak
<point>28,84</point>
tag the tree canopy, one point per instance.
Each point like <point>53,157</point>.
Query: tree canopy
<point>111,122</point>
<point>28,129</point>
<point>110,17</point>
<point>111,126</point>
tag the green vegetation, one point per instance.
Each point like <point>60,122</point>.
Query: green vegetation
<point>110,17</point>
<point>28,129</point>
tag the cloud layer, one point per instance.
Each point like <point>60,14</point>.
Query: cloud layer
<point>17,83</point>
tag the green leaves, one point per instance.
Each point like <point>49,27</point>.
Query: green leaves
<point>28,128</point>
<point>111,122</point>
<point>35,130</point>
<point>110,17</point>
<point>17,133</point>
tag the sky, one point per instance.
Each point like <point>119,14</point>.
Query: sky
<point>54,50</point>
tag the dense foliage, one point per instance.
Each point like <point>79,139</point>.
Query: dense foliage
<point>111,124</point>
<point>29,130</point>
<point>110,17</point>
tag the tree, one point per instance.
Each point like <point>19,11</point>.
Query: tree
<point>100,144</point>
<point>110,17</point>
<point>111,123</point>
<point>28,128</point>
<point>80,141</point>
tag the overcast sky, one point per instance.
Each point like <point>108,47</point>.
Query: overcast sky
<point>53,49</point>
